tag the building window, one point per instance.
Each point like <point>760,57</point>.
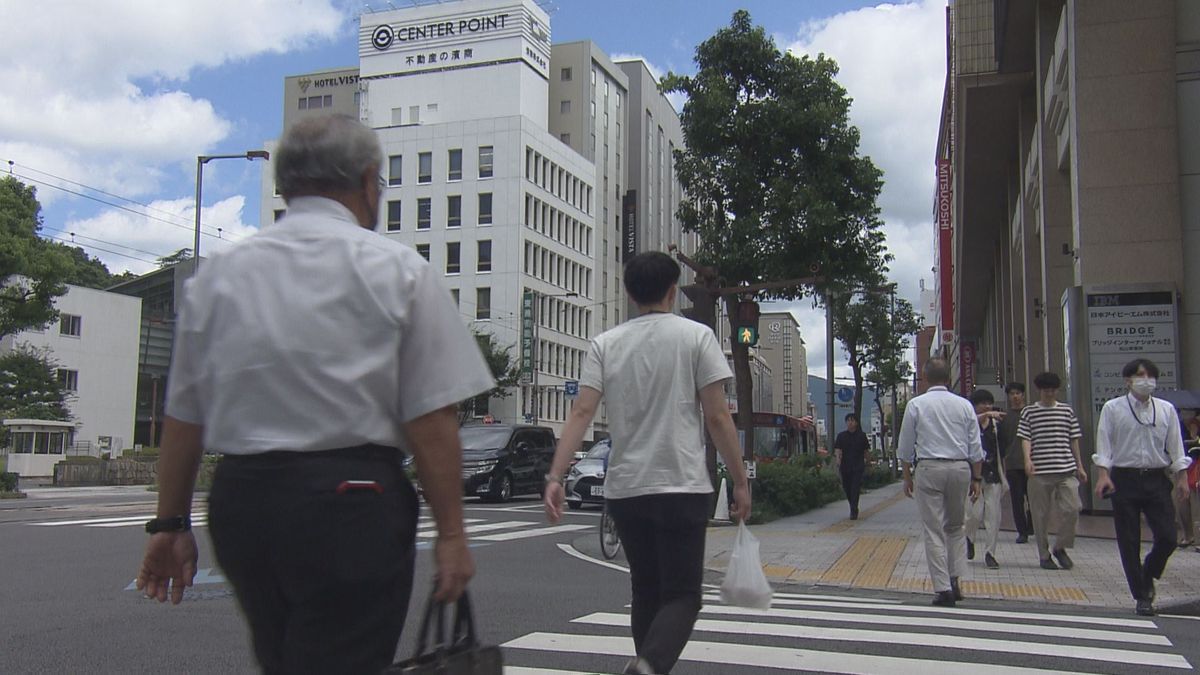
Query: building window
<point>454,211</point>
<point>425,167</point>
<point>454,294</point>
<point>484,258</point>
<point>424,213</point>
<point>279,213</point>
<point>70,324</point>
<point>565,138</point>
<point>68,379</point>
<point>485,208</point>
<point>393,216</point>
<point>483,303</point>
<point>564,107</point>
<point>395,164</point>
<point>565,75</point>
<point>316,102</point>
<point>455,160</point>
<point>453,249</point>
<point>485,161</point>
<point>423,250</point>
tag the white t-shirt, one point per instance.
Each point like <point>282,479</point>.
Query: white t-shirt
<point>650,370</point>
<point>317,334</point>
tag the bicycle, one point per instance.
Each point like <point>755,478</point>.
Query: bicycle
<point>610,541</point>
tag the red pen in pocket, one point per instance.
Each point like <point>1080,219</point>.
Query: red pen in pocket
<point>351,485</point>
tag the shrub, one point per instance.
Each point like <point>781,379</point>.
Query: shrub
<point>8,482</point>
<point>782,490</point>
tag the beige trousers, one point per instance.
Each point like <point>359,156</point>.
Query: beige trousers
<point>985,512</point>
<point>1054,501</point>
<point>941,493</point>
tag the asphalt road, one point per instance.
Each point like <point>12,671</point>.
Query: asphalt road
<point>68,558</point>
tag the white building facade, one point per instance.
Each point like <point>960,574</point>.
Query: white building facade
<point>95,344</point>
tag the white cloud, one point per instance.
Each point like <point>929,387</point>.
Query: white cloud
<point>94,89</point>
<point>892,63</point>
<point>134,241</point>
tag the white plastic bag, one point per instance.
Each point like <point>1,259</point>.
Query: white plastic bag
<point>745,584</point>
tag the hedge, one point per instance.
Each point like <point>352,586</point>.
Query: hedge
<point>782,490</point>
<point>8,482</point>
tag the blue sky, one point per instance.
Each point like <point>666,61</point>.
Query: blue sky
<point>125,100</point>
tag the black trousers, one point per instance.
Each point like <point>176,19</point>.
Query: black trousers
<point>663,536</point>
<point>1018,487</point>
<point>852,481</point>
<point>323,577</point>
<point>1143,492</point>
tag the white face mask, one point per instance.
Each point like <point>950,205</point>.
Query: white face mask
<point>1143,386</point>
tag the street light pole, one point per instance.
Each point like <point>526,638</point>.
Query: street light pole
<point>201,160</point>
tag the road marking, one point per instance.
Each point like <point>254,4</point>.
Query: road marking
<point>964,612</point>
<point>526,534</point>
<point>1007,646</point>
<point>200,521</point>
<point>486,527</point>
<point>521,670</point>
<point>570,550</point>
<point>1032,627</point>
<point>784,658</point>
<point>837,598</point>
<point>123,520</point>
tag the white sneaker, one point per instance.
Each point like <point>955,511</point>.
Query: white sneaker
<point>637,666</point>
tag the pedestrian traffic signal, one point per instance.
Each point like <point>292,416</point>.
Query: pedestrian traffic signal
<point>747,335</point>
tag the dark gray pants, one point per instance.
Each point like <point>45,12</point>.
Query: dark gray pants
<point>323,578</point>
<point>1141,493</point>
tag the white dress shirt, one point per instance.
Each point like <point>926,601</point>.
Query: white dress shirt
<point>939,425</point>
<point>316,334</point>
<point>1139,435</point>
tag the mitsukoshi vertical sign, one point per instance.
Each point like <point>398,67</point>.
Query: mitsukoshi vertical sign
<point>945,221</point>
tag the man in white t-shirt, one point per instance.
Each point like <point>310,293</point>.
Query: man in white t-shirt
<point>655,372</point>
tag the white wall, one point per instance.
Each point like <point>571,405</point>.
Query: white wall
<point>105,355</point>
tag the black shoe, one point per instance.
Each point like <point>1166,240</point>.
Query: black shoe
<point>970,550</point>
<point>944,598</point>
<point>990,561</point>
<point>1064,560</point>
<point>955,589</point>
<point>1022,539</point>
<point>1048,564</point>
<point>1150,593</point>
<point>1145,608</point>
<point>854,516</point>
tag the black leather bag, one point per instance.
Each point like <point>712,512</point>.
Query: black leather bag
<point>461,655</point>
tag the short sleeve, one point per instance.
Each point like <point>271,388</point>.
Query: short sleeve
<point>1076,431</point>
<point>1023,431</point>
<point>592,373</point>
<point>184,400</point>
<point>440,362</point>
<point>711,365</point>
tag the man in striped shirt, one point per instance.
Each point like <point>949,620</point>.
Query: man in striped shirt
<point>1050,433</point>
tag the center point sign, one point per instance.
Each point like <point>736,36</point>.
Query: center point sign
<point>385,36</point>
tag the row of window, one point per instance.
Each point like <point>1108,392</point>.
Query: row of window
<point>483,301</point>
<point>393,216</point>
<point>316,102</point>
<point>557,225</point>
<point>485,166</point>
<point>557,181</point>
<point>557,270</point>
<point>483,255</point>
<point>561,316</point>
<point>553,404</point>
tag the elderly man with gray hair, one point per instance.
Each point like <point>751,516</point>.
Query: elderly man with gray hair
<point>308,355</point>
<point>940,436</point>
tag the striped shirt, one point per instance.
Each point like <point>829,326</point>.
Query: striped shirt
<point>1050,431</point>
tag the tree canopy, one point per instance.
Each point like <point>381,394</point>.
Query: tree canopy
<point>505,370</point>
<point>29,386</point>
<point>33,271</point>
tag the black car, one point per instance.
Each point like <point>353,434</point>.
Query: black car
<point>585,481</point>
<point>502,460</point>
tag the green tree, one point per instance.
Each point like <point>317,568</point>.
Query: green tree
<point>175,258</point>
<point>29,386</point>
<point>874,336</point>
<point>505,370</point>
<point>775,186</point>
<point>33,271</point>
<point>86,271</point>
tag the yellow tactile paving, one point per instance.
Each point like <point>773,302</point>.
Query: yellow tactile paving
<point>846,523</point>
<point>993,589</point>
<point>869,561</point>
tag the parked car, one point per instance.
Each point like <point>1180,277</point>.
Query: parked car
<point>503,460</point>
<point>585,480</point>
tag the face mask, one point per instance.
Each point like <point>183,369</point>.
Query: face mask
<point>1143,386</point>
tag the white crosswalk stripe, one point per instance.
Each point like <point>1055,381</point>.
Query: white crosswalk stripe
<point>812,633</point>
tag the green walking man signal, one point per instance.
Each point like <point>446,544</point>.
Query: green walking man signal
<point>747,335</point>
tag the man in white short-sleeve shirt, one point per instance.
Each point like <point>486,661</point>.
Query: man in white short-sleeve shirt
<point>656,372</point>
<point>308,355</point>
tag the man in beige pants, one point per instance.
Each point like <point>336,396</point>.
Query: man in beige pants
<point>1050,433</point>
<point>940,434</point>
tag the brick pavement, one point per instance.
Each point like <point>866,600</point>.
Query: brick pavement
<point>883,551</point>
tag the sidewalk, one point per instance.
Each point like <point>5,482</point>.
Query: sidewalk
<point>883,550</point>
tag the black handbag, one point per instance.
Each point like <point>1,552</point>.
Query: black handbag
<point>462,655</point>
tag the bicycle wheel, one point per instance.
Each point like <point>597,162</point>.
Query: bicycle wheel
<point>610,543</point>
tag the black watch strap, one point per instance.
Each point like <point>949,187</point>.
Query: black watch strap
<point>172,524</point>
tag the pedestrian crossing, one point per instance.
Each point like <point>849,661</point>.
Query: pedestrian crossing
<point>478,529</point>
<point>838,634</point>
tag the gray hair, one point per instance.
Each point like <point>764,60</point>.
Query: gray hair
<point>937,371</point>
<point>326,153</point>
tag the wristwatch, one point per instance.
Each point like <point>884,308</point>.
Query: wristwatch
<point>172,524</point>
